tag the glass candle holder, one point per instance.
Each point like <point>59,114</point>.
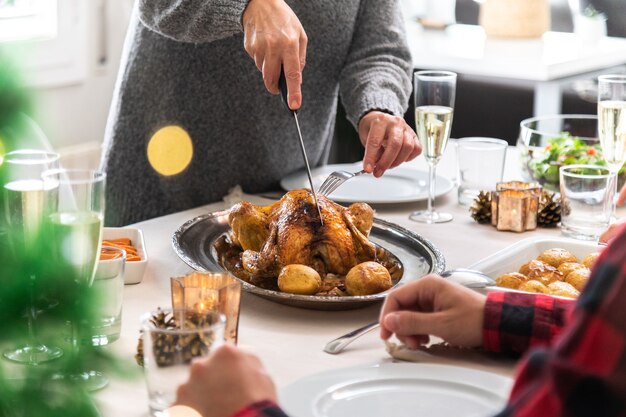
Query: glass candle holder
<point>209,291</point>
<point>514,206</point>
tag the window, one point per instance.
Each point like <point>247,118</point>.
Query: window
<point>47,38</point>
<point>27,20</point>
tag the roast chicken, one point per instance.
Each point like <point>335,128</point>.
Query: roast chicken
<point>289,231</point>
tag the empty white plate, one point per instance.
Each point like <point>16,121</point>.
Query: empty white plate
<point>397,390</point>
<point>398,185</point>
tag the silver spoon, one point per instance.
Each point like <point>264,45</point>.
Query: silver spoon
<point>467,277</point>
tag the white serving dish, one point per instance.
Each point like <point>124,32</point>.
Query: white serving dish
<point>133,273</point>
<point>512,257</point>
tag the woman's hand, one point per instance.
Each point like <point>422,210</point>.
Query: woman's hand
<point>433,306</point>
<point>273,36</point>
<point>388,142</point>
<point>225,382</point>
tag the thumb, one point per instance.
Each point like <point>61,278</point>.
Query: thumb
<point>410,323</point>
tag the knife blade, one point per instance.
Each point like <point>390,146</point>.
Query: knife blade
<point>282,85</point>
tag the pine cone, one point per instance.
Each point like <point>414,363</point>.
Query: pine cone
<point>549,212</point>
<point>481,207</point>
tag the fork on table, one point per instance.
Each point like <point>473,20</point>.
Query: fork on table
<point>335,179</point>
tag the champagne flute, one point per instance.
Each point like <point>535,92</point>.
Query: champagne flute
<point>612,119</point>
<point>434,107</point>
<point>612,123</point>
<point>74,230</point>
<point>24,210</point>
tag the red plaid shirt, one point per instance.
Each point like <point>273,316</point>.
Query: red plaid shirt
<point>577,364</point>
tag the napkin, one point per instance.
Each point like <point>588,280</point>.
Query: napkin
<point>445,354</point>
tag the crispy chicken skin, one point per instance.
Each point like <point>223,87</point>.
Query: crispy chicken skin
<point>289,232</point>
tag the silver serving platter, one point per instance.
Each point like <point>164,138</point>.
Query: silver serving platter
<point>193,242</point>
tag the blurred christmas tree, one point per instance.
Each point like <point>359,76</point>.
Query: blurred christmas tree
<point>37,390</point>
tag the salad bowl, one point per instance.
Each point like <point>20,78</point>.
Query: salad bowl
<point>547,143</point>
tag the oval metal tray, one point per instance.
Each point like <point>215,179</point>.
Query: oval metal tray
<point>193,243</point>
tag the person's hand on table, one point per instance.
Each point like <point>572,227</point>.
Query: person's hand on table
<point>273,36</point>
<point>433,306</point>
<point>388,140</point>
<point>225,382</point>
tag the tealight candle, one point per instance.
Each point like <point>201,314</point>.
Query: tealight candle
<point>202,292</point>
<point>514,206</point>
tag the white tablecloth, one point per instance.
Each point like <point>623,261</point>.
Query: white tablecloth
<point>289,340</point>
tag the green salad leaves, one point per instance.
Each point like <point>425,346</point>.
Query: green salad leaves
<point>563,150</point>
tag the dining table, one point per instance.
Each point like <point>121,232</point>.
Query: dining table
<point>289,340</point>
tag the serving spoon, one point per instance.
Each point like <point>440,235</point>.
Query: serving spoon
<point>467,277</point>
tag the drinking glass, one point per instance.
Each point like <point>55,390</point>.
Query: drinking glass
<point>587,199</point>
<point>612,119</point>
<point>108,289</point>
<point>480,164</point>
<point>169,350</point>
<point>434,107</point>
<point>74,230</point>
<point>23,210</point>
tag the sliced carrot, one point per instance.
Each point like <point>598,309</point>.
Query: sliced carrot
<point>121,241</point>
<point>109,255</point>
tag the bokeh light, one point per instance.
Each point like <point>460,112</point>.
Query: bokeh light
<point>170,150</point>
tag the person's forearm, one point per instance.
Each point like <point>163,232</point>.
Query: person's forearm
<point>377,74</point>
<point>194,21</point>
<point>516,321</point>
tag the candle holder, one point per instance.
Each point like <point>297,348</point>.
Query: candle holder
<point>204,291</point>
<point>514,206</point>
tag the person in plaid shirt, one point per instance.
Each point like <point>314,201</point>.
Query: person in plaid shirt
<point>575,365</point>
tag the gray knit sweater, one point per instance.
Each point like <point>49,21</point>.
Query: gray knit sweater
<point>184,64</point>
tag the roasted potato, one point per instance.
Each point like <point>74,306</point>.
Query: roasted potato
<point>299,279</point>
<point>556,256</point>
<point>578,278</point>
<point>590,259</point>
<point>567,267</point>
<point>534,286</point>
<point>563,289</point>
<point>511,280</point>
<point>543,272</point>
<point>368,278</point>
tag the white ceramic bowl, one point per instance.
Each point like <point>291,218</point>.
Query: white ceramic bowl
<point>512,257</point>
<point>134,271</point>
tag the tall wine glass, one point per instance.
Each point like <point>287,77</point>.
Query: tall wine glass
<point>612,119</point>
<point>23,211</point>
<point>74,230</point>
<point>612,123</point>
<point>434,107</point>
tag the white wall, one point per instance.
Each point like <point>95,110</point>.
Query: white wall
<point>74,116</point>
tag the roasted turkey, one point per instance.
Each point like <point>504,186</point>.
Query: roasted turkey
<point>289,231</point>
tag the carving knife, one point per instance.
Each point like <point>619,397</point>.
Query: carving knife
<point>282,85</point>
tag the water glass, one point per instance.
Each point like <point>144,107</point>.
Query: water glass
<point>168,352</point>
<point>108,289</point>
<point>480,164</point>
<point>587,200</point>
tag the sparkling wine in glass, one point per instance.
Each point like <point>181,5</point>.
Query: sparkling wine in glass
<point>434,108</point>
<point>612,119</point>
<point>612,123</point>
<point>24,209</point>
<point>74,229</point>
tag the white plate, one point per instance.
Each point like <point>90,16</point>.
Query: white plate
<point>398,185</point>
<point>397,390</point>
<point>512,257</point>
